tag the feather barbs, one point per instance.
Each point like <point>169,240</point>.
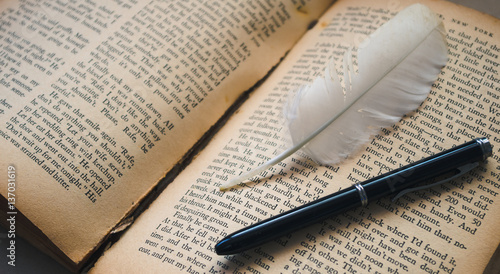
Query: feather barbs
<point>393,78</point>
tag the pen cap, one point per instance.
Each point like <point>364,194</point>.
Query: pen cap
<point>486,146</point>
<point>447,162</point>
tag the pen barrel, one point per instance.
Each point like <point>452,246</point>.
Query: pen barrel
<point>289,221</point>
<point>443,163</point>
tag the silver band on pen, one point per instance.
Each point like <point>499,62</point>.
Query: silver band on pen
<point>362,194</point>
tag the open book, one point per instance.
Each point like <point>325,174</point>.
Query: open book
<point>101,100</point>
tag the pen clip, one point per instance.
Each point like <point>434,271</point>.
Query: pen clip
<point>462,170</point>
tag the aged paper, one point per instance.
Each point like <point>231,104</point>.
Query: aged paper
<point>451,228</point>
<point>100,100</point>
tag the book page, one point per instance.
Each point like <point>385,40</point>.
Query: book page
<point>100,100</point>
<point>450,228</point>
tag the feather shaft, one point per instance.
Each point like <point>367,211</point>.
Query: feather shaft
<point>283,155</point>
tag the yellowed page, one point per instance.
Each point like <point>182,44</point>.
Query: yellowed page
<point>451,228</point>
<point>100,100</point>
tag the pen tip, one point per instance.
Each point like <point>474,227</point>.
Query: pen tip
<point>222,249</point>
<point>227,246</point>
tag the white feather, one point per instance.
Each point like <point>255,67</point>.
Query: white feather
<point>397,65</point>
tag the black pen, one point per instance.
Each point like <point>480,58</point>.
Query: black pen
<point>453,162</point>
